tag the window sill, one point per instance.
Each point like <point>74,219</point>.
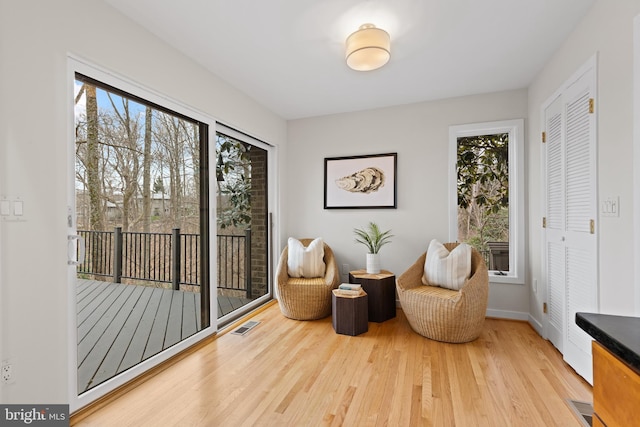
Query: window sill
<point>510,279</point>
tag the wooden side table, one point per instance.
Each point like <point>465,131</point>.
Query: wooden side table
<point>381,289</point>
<point>349,314</point>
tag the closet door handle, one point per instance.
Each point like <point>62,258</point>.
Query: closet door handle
<point>71,250</point>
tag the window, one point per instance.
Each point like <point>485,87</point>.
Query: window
<point>486,187</point>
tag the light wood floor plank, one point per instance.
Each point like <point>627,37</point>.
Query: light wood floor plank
<point>292,373</point>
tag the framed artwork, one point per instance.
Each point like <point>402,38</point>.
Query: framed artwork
<point>358,182</point>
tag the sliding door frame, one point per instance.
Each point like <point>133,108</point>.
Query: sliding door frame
<point>272,227</point>
<point>79,65</point>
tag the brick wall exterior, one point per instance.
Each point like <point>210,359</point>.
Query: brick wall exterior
<point>259,221</point>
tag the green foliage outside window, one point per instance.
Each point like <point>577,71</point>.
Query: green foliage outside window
<point>233,170</point>
<point>483,189</point>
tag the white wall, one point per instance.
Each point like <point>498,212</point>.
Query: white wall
<point>608,31</point>
<point>35,38</point>
<point>419,133</point>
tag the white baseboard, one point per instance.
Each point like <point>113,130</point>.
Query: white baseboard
<point>535,324</point>
<point>517,315</point>
<point>506,314</point>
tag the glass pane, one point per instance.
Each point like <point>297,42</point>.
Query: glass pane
<point>242,221</point>
<point>138,208</point>
<point>483,196</point>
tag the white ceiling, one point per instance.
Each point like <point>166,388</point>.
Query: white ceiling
<point>289,54</point>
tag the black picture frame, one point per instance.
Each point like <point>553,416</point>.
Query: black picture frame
<point>361,182</point>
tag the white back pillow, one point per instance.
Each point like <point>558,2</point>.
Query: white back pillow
<point>447,269</point>
<point>305,261</point>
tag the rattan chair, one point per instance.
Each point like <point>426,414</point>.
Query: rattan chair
<point>442,314</point>
<point>302,298</point>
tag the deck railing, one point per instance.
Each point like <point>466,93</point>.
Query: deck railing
<point>165,257</point>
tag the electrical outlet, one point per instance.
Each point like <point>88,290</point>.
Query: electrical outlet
<point>6,373</point>
<point>345,269</point>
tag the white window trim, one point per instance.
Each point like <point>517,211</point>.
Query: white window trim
<point>515,129</point>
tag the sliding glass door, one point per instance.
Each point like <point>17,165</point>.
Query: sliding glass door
<point>141,212</point>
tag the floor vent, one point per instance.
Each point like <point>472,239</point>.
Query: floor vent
<point>245,328</point>
<point>583,410</point>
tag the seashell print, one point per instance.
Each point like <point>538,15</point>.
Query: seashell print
<point>364,181</point>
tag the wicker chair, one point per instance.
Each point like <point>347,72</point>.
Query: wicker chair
<point>442,314</point>
<point>302,298</point>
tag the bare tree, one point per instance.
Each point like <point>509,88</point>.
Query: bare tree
<point>92,160</point>
<point>123,134</point>
<point>117,157</point>
<point>178,153</point>
<point>91,163</point>
<point>146,168</point>
<point>146,188</point>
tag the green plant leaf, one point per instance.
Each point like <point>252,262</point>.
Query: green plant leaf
<point>372,237</point>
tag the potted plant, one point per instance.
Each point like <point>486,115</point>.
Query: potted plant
<point>373,238</point>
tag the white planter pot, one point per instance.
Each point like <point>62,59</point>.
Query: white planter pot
<point>373,263</point>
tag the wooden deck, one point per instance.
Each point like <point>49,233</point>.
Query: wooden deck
<point>121,325</point>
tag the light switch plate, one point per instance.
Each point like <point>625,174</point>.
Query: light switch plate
<point>5,208</point>
<point>610,206</point>
<point>12,208</point>
<point>18,207</point>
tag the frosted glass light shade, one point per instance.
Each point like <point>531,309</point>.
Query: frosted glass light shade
<point>368,48</point>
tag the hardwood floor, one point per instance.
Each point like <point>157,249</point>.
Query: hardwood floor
<point>293,373</point>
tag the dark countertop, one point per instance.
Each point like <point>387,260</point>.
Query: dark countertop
<point>619,334</point>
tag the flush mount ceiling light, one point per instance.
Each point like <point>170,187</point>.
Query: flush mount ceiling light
<point>368,48</point>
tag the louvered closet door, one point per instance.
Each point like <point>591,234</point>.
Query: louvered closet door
<point>581,209</point>
<point>555,219</point>
<point>570,249</point>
